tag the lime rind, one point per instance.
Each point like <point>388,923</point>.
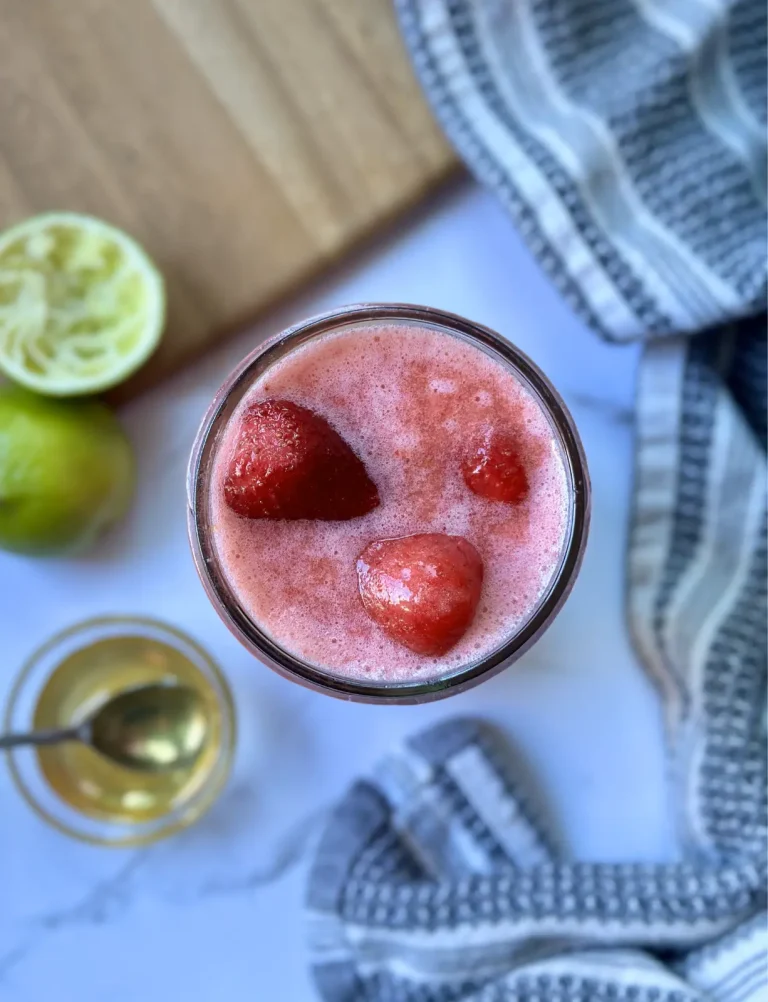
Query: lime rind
<point>82,306</point>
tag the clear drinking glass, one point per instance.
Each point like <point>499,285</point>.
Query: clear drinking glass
<point>265,647</point>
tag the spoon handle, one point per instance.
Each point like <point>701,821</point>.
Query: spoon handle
<point>52,737</point>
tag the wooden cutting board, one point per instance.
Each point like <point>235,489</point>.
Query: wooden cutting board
<point>245,143</point>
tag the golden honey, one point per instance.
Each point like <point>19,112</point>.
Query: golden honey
<point>80,683</point>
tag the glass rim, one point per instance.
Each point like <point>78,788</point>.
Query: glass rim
<point>222,596</point>
<point>177,818</point>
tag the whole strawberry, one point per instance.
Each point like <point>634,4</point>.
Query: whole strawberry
<point>289,463</point>
<point>493,468</point>
<point>422,590</point>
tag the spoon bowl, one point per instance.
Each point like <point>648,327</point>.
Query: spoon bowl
<point>153,728</point>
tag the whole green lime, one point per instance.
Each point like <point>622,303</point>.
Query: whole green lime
<point>67,471</point>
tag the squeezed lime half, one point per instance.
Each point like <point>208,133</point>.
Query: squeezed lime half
<point>82,306</point>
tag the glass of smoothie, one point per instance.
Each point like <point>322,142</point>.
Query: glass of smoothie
<point>388,503</point>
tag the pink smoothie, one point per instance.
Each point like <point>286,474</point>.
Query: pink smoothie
<point>406,399</point>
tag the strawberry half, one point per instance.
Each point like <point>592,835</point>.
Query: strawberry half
<point>493,468</point>
<point>289,463</point>
<point>421,590</point>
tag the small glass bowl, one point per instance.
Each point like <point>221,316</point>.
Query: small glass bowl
<point>25,763</point>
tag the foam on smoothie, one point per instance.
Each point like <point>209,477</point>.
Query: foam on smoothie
<point>406,399</point>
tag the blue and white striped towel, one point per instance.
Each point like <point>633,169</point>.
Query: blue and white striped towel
<point>627,138</point>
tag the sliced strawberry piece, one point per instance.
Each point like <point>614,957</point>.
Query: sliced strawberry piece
<point>494,469</point>
<point>422,590</point>
<point>289,463</point>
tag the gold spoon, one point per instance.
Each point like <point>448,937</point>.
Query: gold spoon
<point>152,728</point>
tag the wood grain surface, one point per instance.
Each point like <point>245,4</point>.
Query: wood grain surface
<point>245,143</point>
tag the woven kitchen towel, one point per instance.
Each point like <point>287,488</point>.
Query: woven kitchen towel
<point>627,139</point>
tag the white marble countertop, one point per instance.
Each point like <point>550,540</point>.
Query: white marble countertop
<point>215,913</point>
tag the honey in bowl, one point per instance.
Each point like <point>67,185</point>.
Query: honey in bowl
<point>85,679</point>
